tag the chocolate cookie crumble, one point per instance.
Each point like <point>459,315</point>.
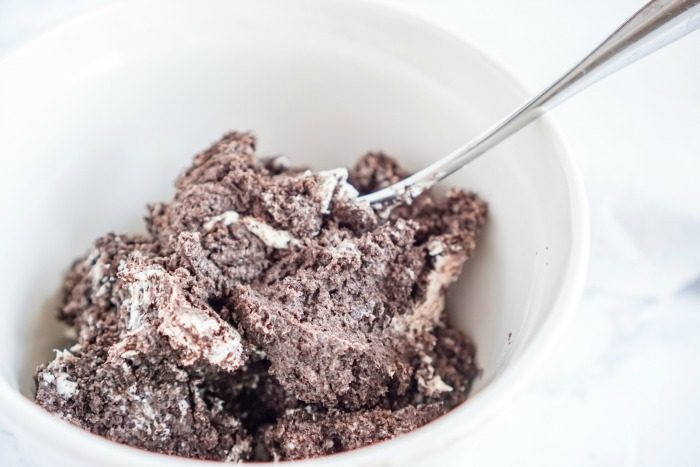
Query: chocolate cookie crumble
<point>268,314</point>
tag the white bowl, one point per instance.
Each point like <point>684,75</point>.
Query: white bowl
<point>98,116</point>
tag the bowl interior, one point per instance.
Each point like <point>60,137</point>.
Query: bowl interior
<point>97,119</point>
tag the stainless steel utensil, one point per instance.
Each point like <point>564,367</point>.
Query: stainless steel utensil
<point>656,25</point>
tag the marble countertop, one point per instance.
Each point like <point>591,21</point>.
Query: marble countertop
<point>624,387</point>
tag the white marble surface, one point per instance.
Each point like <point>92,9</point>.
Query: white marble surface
<point>624,388</point>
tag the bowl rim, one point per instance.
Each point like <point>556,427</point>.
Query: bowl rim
<point>20,415</point>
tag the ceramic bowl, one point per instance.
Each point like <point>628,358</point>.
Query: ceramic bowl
<point>98,116</point>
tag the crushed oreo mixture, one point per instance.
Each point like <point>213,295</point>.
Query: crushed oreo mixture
<point>268,314</point>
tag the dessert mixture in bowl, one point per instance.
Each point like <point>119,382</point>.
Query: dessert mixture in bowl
<point>268,314</point>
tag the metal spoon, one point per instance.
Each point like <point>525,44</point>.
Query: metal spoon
<point>656,25</point>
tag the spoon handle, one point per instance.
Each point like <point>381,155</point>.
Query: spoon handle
<point>656,25</point>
